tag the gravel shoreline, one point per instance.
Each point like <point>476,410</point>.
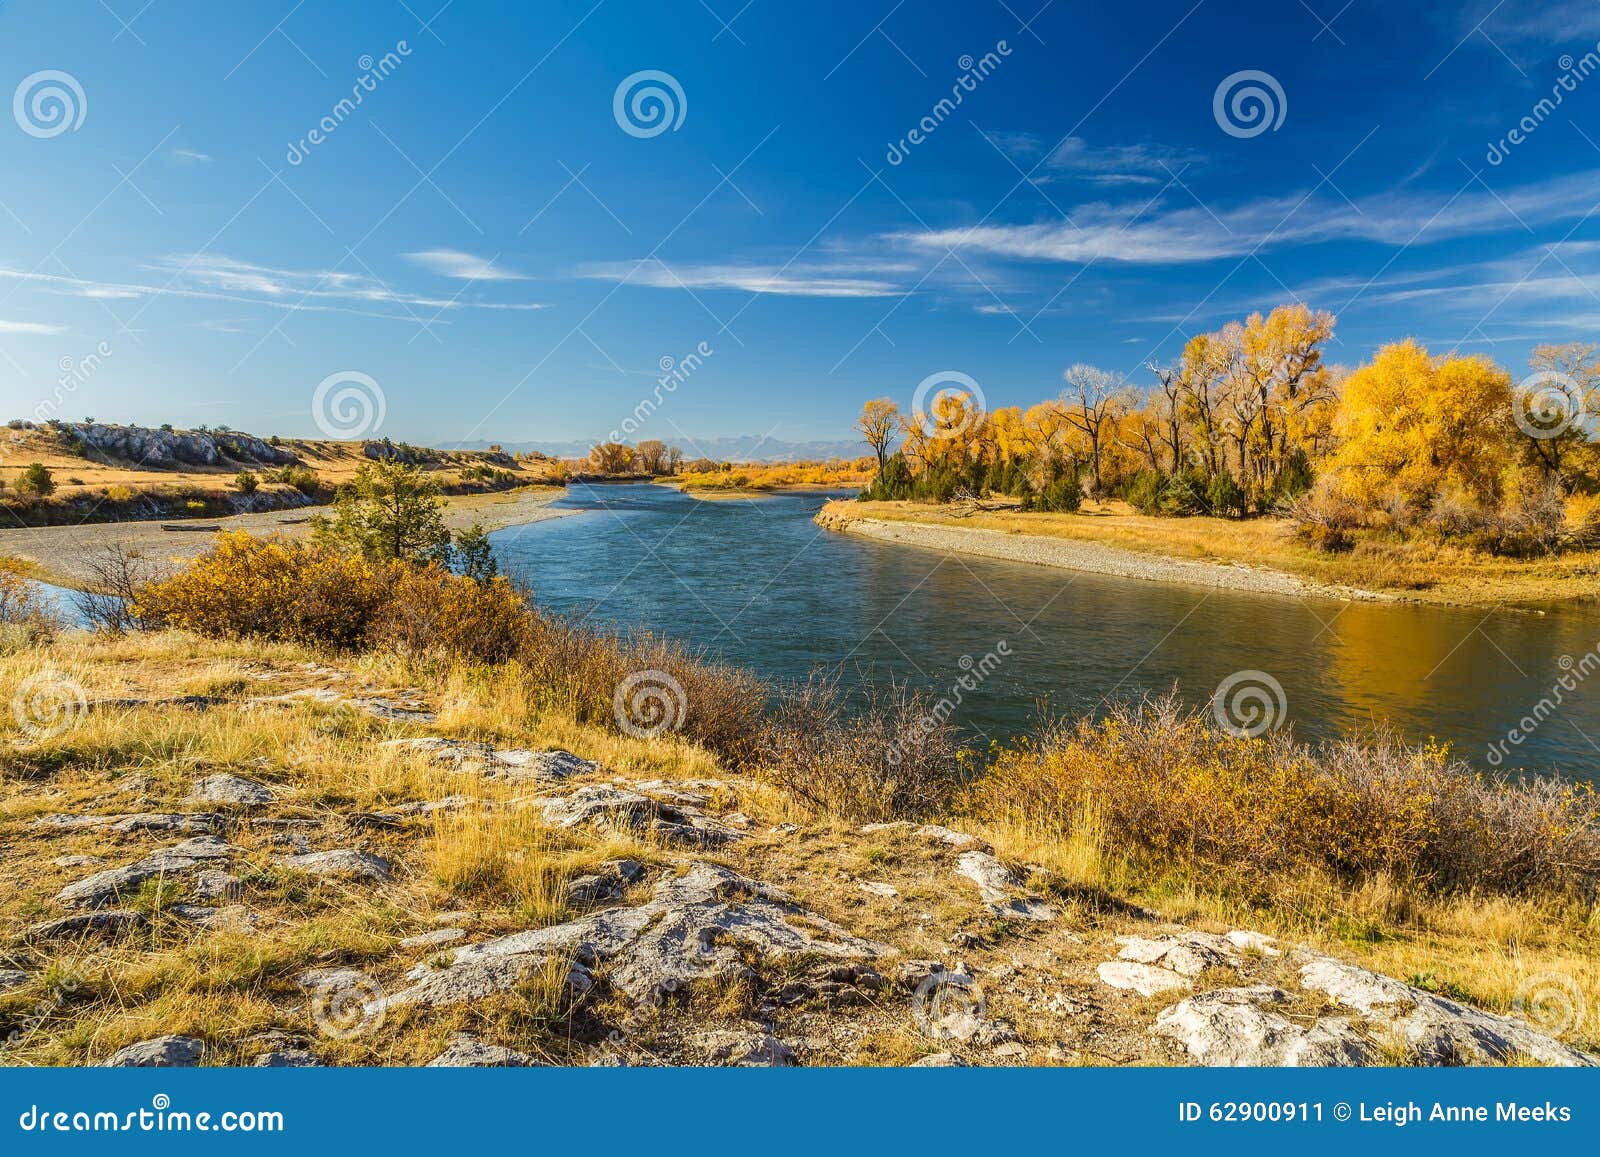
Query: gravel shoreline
<point>61,553</point>
<point>1091,557</point>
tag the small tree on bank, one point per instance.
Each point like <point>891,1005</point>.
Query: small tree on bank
<point>389,510</point>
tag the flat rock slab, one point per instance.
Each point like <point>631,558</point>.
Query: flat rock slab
<point>1230,1027</point>
<point>232,789</point>
<point>346,862</point>
<point>744,1049</point>
<point>1000,889</point>
<point>438,938</point>
<point>107,923</point>
<point>159,1052</point>
<point>466,1052</point>
<point>11,978</point>
<point>287,1059</point>
<point>620,810</point>
<point>517,764</point>
<point>1145,979</point>
<point>1431,1028</point>
<point>701,924</point>
<point>102,887</point>
<point>198,823</point>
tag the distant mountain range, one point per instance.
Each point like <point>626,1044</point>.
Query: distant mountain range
<point>739,448</point>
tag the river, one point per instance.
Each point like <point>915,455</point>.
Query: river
<point>757,583</point>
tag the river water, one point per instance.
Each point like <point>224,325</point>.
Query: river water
<point>759,584</point>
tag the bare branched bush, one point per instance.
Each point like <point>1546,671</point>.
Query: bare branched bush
<point>26,617</point>
<point>116,576</point>
<point>894,757</point>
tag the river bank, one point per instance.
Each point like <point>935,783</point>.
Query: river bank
<point>1258,555</point>
<point>60,554</point>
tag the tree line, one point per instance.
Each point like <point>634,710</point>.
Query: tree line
<point>1252,418</point>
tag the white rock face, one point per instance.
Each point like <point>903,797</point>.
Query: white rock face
<point>1000,889</point>
<point>1237,1026</point>
<point>511,763</point>
<point>467,1052</point>
<point>1145,979</point>
<point>744,1049</point>
<point>620,809</point>
<point>695,925</point>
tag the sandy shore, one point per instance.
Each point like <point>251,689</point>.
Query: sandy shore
<point>1088,556</point>
<point>59,552</point>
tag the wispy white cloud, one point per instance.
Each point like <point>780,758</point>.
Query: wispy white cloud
<point>30,327</point>
<point>1138,234</point>
<point>190,156</point>
<point>831,280</point>
<point>463,266</point>
<point>1144,163</point>
<point>217,277</point>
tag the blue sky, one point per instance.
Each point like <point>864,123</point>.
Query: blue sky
<point>483,240</point>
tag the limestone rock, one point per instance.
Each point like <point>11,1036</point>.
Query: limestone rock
<point>182,858</point>
<point>1435,1030</point>
<point>1188,953</point>
<point>107,923</point>
<point>744,1049</point>
<point>1237,1026</point>
<point>435,939</point>
<point>621,810</point>
<point>875,888</point>
<point>159,1052</point>
<point>1145,979</point>
<point>696,925</point>
<point>212,884</point>
<point>233,789</point>
<point>938,1061</point>
<point>512,763</point>
<point>1000,889</point>
<point>11,978</point>
<point>467,1052</point>
<point>346,862</point>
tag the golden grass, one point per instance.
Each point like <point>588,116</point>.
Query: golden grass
<point>1419,570</point>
